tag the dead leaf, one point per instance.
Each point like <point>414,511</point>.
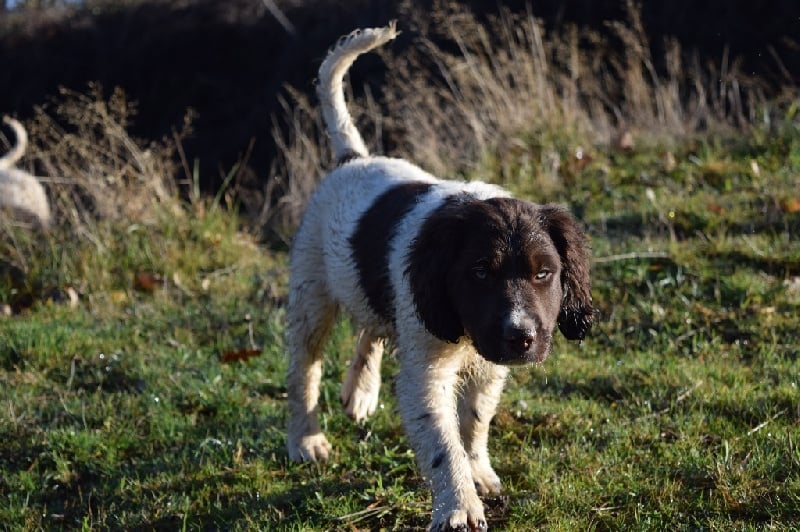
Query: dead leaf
<point>790,205</point>
<point>242,355</point>
<point>147,281</point>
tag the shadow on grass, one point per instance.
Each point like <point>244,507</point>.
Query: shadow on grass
<point>623,386</point>
<point>232,508</point>
<point>109,373</point>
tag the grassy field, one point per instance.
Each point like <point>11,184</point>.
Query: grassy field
<point>142,408</point>
<point>156,399</point>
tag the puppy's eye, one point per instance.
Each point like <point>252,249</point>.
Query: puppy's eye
<point>481,270</point>
<point>480,273</point>
<point>543,275</point>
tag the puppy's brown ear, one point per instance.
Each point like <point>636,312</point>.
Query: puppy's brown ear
<point>577,313</point>
<point>430,258</point>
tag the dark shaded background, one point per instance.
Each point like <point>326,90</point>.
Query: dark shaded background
<point>228,60</point>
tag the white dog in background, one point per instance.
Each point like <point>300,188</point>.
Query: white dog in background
<point>464,280</point>
<point>22,194</point>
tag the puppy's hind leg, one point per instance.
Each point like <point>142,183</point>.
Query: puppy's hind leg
<point>310,316</point>
<point>363,380</point>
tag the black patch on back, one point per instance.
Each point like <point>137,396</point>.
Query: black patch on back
<point>370,243</point>
<point>437,460</point>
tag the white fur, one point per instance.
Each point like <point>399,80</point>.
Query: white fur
<point>363,380</point>
<point>20,192</point>
<point>345,138</point>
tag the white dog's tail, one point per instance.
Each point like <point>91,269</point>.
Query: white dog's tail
<point>346,140</point>
<point>18,150</point>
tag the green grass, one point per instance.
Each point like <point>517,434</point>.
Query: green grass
<point>681,410</point>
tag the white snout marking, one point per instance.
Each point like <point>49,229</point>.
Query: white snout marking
<point>517,318</point>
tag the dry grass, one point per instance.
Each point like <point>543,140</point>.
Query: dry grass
<point>502,101</point>
<point>508,98</point>
<point>302,157</point>
<point>102,184</point>
<point>509,79</point>
<point>97,171</point>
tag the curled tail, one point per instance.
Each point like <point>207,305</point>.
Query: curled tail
<point>346,140</point>
<point>18,150</point>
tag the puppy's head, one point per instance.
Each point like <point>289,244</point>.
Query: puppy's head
<point>503,272</point>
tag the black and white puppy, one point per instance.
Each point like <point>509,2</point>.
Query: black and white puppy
<point>464,280</point>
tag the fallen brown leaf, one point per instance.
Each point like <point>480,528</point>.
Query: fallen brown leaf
<point>242,355</point>
<point>790,205</point>
<point>147,281</point>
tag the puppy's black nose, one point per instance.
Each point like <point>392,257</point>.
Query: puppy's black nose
<point>518,339</point>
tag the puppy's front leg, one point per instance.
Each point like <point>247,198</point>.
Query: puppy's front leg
<point>477,404</point>
<point>426,388</point>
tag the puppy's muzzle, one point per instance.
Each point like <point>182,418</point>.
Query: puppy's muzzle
<point>518,339</point>
<point>520,342</point>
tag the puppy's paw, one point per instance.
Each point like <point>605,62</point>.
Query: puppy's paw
<point>310,448</point>
<point>359,403</point>
<point>486,480</point>
<point>360,394</point>
<point>467,518</point>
